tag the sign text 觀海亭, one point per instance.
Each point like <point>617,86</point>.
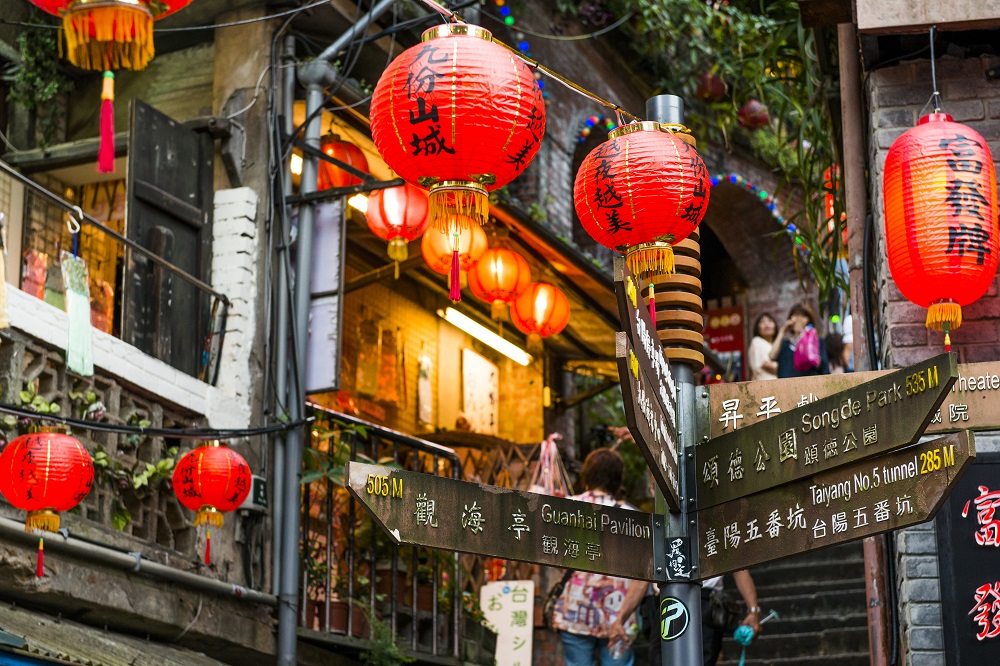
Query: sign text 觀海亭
<point>439,512</point>
<point>648,387</point>
<point>868,419</point>
<point>893,490</point>
<point>972,403</point>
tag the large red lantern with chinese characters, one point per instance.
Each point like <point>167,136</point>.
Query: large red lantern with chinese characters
<point>104,35</point>
<point>941,227</point>
<point>330,175</point>
<point>398,215</point>
<point>542,310</point>
<point>45,473</point>
<point>460,115</point>
<point>641,192</point>
<point>211,480</point>
<point>500,276</point>
<point>454,251</point>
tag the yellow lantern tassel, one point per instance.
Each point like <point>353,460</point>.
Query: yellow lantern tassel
<point>944,316</point>
<point>45,520</point>
<point>208,515</point>
<point>119,36</point>
<point>457,204</point>
<point>651,259</point>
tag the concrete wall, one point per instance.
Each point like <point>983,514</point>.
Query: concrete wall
<point>896,96</point>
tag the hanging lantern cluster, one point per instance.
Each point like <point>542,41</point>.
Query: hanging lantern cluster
<point>541,311</point>
<point>106,35</point>
<point>44,474</point>
<point>398,215</point>
<point>461,116</point>
<point>941,226</point>
<point>211,480</point>
<point>640,192</point>
<point>330,175</point>
<point>499,277</point>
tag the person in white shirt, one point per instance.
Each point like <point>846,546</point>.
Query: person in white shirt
<point>759,353</point>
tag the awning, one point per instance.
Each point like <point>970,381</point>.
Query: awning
<point>27,637</point>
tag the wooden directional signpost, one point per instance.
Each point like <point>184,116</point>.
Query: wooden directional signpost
<point>438,512</point>
<point>648,390</point>
<point>830,471</point>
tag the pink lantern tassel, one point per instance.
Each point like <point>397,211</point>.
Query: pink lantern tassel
<point>652,305</point>
<point>455,279</point>
<point>106,151</point>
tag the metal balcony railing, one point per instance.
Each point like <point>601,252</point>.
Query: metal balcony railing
<point>55,207</point>
<point>351,569</point>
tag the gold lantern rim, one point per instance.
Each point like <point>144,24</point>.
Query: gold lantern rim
<point>452,29</point>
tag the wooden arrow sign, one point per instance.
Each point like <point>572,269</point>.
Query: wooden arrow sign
<point>438,512</point>
<point>872,418</point>
<point>868,497</point>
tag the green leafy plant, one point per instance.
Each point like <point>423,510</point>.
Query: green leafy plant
<point>38,80</point>
<point>382,649</point>
<point>137,481</point>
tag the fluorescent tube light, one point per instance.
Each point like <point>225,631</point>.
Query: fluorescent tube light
<point>485,335</point>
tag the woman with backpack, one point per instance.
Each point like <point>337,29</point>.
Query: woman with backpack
<point>797,348</point>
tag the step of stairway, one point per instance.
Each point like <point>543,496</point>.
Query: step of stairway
<point>794,570</point>
<point>818,603</point>
<point>829,642</point>
<point>853,659</point>
<point>796,586</point>
<point>800,625</point>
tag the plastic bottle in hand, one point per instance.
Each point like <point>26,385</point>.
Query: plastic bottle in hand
<point>618,649</point>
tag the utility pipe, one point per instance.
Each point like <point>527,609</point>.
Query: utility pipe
<point>856,196</point>
<point>132,562</point>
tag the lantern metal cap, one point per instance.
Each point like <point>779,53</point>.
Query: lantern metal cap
<point>676,129</point>
<point>137,5</point>
<point>938,117</point>
<point>451,29</point>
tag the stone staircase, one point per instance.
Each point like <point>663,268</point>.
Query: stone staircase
<point>820,598</point>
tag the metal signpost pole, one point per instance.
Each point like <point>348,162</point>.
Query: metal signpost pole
<point>680,602</point>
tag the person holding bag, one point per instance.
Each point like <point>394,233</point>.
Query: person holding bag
<point>797,348</point>
<point>589,610</point>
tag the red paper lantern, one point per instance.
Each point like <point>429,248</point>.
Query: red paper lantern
<point>460,115</point>
<point>500,275</point>
<point>753,114</point>
<point>541,310</point>
<point>44,474</point>
<point>398,215</point>
<point>211,480</point>
<point>330,175</point>
<point>941,227</point>
<point>640,192</point>
<point>107,35</point>
<point>458,249</point>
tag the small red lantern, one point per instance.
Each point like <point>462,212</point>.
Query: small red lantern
<point>640,192</point>
<point>45,473</point>
<point>398,215</point>
<point>211,480</point>
<point>753,114</point>
<point>542,310</point>
<point>330,175</point>
<point>500,275</point>
<point>448,253</point>
<point>941,226</point>
<point>460,115</point>
<point>107,35</point>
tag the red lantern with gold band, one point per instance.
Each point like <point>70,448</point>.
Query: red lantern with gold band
<point>211,480</point>
<point>398,215</point>
<point>642,191</point>
<point>104,35</point>
<point>500,275</point>
<point>542,310</point>
<point>941,226</point>
<point>45,473</point>
<point>460,115</point>
<point>330,175</point>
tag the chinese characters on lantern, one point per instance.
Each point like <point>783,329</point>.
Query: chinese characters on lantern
<point>429,66</point>
<point>965,198</point>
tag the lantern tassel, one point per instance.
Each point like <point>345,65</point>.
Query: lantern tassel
<point>39,521</point>
<point>944,316</point>
<point>207,515</point>
<point>40,566</point>
<point>115,37</point>
<point>208,547</point>
<point>497,309</point>
<point>454,279</point>
<point>106,152</point>
<point>454,205</point>
<point>651,259</point>
<point>535,346</point>
<point>652,304</point>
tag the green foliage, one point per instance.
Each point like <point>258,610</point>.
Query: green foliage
<point>38,80</point>
<point>761,53</point>
<point>382,650</point>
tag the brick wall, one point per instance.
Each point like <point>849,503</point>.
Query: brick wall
<point>896,96</point>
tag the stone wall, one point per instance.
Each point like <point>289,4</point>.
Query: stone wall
<point>896,96</point>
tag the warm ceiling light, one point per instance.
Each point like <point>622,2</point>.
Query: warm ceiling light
<point>358,202</point>
<point>296,164</point>
<point>485,335</point>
